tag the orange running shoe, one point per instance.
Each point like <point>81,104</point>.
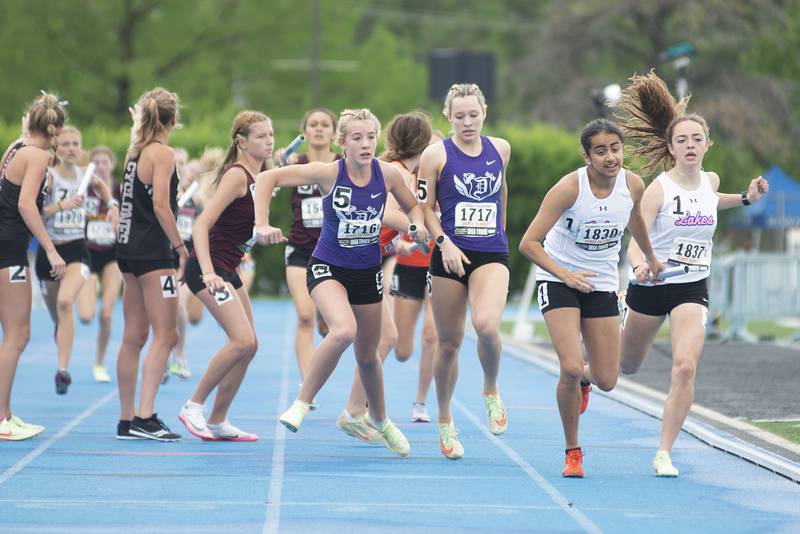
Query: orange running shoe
<point>573,466</point>
<point>585,389</point>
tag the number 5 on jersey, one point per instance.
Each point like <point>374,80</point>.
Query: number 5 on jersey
<point>168,288</point>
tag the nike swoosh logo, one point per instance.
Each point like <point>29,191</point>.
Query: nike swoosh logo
<point>444,450</point>
<point>376,196</point>
<point>5,433</point>
<point>490,162</point>
<point>502,421</point>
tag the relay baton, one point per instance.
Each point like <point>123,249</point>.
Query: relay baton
<point>87,177</point>
<point>294,145</point>
<point>666,273</point>
<point>188,194</point>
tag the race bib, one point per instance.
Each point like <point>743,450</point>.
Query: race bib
<point>598,236</point>
<point>358,233</point>
<point>311,209</point>
<point>696,253</point>
<point>476,219</point>
<point>185,226</point>
<point>101,232</point>
<point>74,219</point>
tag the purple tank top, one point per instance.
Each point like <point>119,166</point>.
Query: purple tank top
<point>470,195</point>
<point>352,221</point>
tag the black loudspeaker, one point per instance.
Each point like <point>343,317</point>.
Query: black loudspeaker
<point>448,66</point>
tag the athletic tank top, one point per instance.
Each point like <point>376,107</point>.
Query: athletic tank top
<point>352,221</point>
<point>684,226</point>
<point>140,234</point>
<point>186,216</point>
<point>233,228</point>
<point>100,235</point>
<point>588,235</point>
<point>417,258</point>
<point>12,226</point>
<point>65,225</point>
<point>306,212</point>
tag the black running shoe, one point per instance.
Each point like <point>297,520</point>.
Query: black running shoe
<point>152,428</point>
<point>63,380</point>
<point>124,430</point>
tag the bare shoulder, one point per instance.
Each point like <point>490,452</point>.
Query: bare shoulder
<point>714,178</point>
<point>502,146</point>
<point>158,152</point>
<point>434,152</point>
<point>565,191</point>
<point>635,183</point>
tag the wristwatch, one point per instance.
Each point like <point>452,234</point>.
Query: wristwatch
<point>412,229</point>
<point>440,240</point>
<point>745,200</point>
<point>112,202</point>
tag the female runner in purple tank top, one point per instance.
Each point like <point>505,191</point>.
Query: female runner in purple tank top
<point>344,274</point>
<point>219,234</point>
<point>319,129</point>
<point>464,174</point>
<point>22,179</point>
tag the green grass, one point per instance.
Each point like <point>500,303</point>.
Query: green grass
<point>786,429</point>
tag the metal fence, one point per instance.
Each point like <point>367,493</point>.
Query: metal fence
<point>745,287</point>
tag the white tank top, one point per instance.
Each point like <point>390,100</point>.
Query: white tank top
<point>65,225</point>
<point>588,235</point>
<point>684,226</point>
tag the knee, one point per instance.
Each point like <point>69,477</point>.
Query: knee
<point>105,315</point>
<point>605,383</point>
<point>403,351</point>
<point>342,336</point>
<point>168,338</point>
<point>367,360</point>
<point>429,336</point>
<point>135,339</point>
<point>63,306</point>
<point>571,373</point>
<point>18,340</point>
<point>485,327</point>
<point>448,350</point>
<point>85,318</point>
<point>683,371</point>
<point>628,367</point>
<point>245,346</point>
<point>305,320</point>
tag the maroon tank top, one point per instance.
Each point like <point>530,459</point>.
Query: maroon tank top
<point>306,212</point>
<point>233,227</point>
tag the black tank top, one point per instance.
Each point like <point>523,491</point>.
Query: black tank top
<point>140,234</point>
<point>12,226</point>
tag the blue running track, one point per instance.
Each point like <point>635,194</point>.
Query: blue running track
<point>76,477</point>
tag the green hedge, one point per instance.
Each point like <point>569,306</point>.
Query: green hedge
<point>541,155</point>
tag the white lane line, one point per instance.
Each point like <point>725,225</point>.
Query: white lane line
<point>639,397</point>
<point>273,519</point>
<point>533,474</point>
<point>38,451</point>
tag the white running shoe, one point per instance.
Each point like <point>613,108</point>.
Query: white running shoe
<point>193,418</point>
<point>394,439</point>
<point>496,414</point>
<point>662,465</point>
<point>419,413</point>
<point>358,427</point>
<point>448,441</point>
<point>100,374</point>
<point>225,431</point>
<point>12,432</point>
<point>37,429</point>
<point>293,417</point>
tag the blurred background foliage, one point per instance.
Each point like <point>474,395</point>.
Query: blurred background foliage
<point>282,57</point>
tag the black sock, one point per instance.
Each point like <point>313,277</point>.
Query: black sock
<point>585,382</point>
<point>566,451</point>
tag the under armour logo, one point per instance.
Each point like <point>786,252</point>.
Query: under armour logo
<point>692,201</point>
<point>602,208</point>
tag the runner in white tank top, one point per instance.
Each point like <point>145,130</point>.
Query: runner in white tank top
<point>581,221</point>
<point>65,220</point>
<point>680,209</point>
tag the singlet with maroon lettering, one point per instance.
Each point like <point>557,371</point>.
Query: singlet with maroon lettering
<point>306,212</point>
<point>352,221</point>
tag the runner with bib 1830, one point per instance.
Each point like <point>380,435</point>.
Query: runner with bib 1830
<point>575,240</point>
